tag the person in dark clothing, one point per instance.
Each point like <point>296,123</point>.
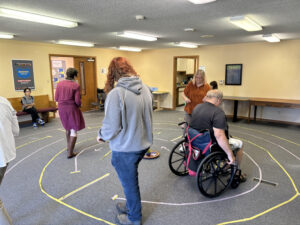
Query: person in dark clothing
<point>29,107</point>
<point>209,116</point>
<point>213,85</point>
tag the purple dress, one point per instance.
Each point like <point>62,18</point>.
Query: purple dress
<point>68,97</point>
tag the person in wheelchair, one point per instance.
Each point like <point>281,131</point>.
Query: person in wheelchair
<point>209,116</point>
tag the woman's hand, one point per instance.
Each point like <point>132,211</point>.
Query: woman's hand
<point>99,140</point>
<point>187,100</point>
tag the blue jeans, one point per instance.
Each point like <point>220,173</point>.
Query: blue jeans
<point>126,166</point>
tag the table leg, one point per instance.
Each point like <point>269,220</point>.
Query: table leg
<point>234,119</point>
<point>249,113</point>
<point>255,108</point>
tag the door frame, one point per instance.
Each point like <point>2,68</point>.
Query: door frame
<point>73,56</point>
<point>196,65</point>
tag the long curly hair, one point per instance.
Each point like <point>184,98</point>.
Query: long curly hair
<point>118,67</point>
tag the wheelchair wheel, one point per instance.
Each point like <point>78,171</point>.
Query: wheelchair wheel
<point>177,158</point>
<point>214,175</point>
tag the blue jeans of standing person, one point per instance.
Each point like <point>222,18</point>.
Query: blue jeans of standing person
<point>126,166</point>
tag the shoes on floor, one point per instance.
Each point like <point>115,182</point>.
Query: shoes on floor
<point>41,122</point>
<point>151,154</point>
<point>121,207</point>
<point>122,219</point>
<point>34,125</point>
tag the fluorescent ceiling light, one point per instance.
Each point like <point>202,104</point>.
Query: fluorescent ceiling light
<point>36,18</point>
<point>201,1</point>
<point>186,44</point>
<point>132,35</point>
<point>271,38</point>
<point>76,43</point>
<point>131,49</point>
<point>6,36</point>
<point>245,23</point>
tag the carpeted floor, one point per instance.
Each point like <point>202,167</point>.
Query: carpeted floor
<point>43,187</point>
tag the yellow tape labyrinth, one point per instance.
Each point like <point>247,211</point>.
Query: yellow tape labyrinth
<point>263,132</point>
<point>30,142</point>
<point>276,206</point>
<point>61,202</point>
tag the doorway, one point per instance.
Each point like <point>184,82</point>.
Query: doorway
<point>184,69</point>
<point>86,67</point>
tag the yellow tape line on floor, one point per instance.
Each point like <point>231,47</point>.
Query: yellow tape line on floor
<point>263,132</point>
<point>276,206</point>
<point>30,142</point>
<point>61,202</point>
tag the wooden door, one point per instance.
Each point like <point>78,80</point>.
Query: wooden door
<point>87,81</point>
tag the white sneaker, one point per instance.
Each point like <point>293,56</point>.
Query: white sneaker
<point>41,122</point>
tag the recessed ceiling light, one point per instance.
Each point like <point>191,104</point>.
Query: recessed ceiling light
<point>186,44</point>
<point>9,13</point>
<point>245,23</point>
<point>271,38</point>
<point>6,36</point>
<point>130,49</point>
<point>140,17</point>
<point>76,43</point>
<point>189,29</point>
<point>207,36</point>
<point>201,1</point>
<point>133,35</point>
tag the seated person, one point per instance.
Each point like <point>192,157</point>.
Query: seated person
<point>28,106</point>
<point>209,116</point>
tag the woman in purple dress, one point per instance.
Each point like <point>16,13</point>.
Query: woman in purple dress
<point>68,97</point>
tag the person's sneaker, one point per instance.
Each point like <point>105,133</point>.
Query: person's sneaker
<point>121,207</point>
<point>41,122</point>
<point>122,219</point>
<point>34,125</point>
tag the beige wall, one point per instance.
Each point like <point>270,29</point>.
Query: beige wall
<point>269,70</point>
<point>39,53</point>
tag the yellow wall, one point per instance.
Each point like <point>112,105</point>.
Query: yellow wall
<point>269,70</point>
<point>39,53</point>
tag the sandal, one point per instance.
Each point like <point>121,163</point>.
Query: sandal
<point>151,155</point>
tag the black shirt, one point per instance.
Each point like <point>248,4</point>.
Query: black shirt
<point>207,116</point>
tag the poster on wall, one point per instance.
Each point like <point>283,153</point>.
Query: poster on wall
<point>23,74</point>
<point>233,74</point>
<point>58,71</point>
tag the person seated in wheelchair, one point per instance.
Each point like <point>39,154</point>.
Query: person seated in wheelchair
<point>209,116</point>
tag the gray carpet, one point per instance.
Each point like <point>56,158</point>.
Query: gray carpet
<point>167,199</point>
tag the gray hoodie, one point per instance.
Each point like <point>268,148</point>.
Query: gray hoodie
<point>127,124</point>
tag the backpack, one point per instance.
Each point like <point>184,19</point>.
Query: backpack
<point>198,148</point>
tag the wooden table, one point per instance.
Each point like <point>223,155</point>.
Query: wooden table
<point>236,103</point>
<point>158,99</point>
<point>271,102</point>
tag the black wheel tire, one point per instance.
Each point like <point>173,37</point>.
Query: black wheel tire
<point>177,158</point>
<point>212,169</point>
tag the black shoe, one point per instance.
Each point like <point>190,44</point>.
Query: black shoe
<point>121,207</point>
<point>122,219</point>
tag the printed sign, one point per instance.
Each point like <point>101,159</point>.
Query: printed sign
<point>23,74</point>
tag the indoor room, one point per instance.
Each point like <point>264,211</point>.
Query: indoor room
<point>203,94</point>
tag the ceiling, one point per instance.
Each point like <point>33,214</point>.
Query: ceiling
<point>99,20</point>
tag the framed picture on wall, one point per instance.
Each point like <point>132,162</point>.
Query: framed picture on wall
<point>233,74</point>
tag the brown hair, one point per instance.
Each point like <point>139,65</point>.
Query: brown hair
<point>118,67</point>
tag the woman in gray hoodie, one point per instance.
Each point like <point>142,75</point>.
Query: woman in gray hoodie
<point>127,126</point>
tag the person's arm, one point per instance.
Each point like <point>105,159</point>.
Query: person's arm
<point>56,98</point>
<point>15,124</point>
<point>223,143</point>
<point>112,123</point>
<point>77,97</point>
<point>185,93</point>
<point>26,106</point>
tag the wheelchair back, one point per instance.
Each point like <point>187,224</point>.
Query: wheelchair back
<point>197,147</point>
